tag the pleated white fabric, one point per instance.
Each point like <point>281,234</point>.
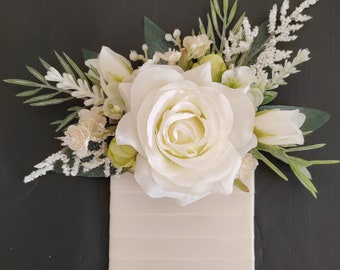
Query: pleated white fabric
<point>216,232</point>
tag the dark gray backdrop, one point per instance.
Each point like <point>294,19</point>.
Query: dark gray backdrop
<point>62,223</point>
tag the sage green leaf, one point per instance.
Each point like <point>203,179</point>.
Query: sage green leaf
<point>75,67</point>
<point>225,7</point>
<point>74,108</point>
<point>37,75</point>
<point>304,148</point>
<point>314,118</point>
<point>238,24</point>
<point>201,27</point>
<point>268,97</point>
<point>51,101</point>
<point>232,13</point>
<point>217,8</point>
<point>29,92</point>
<point>259,42</point>
<point>258,155</point>
<point>155,38</point>
<point>300,173</point>
<point>214,19</point>
<point>65,65</point>
<point>88,54</point>
<point>66,121</point>
<point>42,97</point>
<point>46,65</point>
<point>240,185</point>
<point>23,82</point>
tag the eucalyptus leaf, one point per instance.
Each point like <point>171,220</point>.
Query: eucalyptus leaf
<point>259,41</point>
<point>314,118</point>
<point>88,54</point>
<point>155,38</point>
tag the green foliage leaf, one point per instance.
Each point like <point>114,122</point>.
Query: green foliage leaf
<point>258,155</point>
<point>23,82</point>
<point>258,44</point>
<point>37,75</point>
<point>314,118</point>
<point>66,121</point>
<point>46,65</point>
<point>240,185</point>
<point>232,13</point>
<point>29,92</point>
<point>42,97</point>
<point>51,101</point>
<point>155,38</point>
<point>88,54</point>
<point>65,65</point>
<point>75,67</point>
<point>268,97</point>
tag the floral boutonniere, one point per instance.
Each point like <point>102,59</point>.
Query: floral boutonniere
<point>188,115</point>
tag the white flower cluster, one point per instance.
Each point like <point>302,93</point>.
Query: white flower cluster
<point>240,41</point>
<point>82,90</point>
<point>281,30</point>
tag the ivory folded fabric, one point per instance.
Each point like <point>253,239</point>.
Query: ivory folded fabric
<point>216,232</point>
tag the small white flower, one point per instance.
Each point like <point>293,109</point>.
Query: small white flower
<point>77,139</point>
<point>93,121</point>
<point>248,166</point>
<point>171,56</point>
<point>239,78</point>
<point>279,127</point>
<point>197,46</point>
<point>113,108</point>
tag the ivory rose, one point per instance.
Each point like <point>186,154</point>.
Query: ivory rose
<point>190,133</point>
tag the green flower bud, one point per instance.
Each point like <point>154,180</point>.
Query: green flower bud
<point>122,156</point>
<point>217,65</point>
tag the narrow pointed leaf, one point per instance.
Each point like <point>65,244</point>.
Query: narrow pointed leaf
<point>29,92</point>
<point>65,65</point>
<point>306,182</point>
<point>46,65</point>
<point>66,121</point>
<point>41,98</point>
<point>51,102</point>
<point>79,72</point>
<point>271,165</point>
<point>225,7</point>
<point>88,54</point>
<point>37,75</point>
<point>201,26</point>
<point>305,148</point>
<point>240,185</point>
<point>22,82</point>
<point>232,13</point>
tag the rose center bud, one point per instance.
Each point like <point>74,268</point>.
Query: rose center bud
<point>182,131</point>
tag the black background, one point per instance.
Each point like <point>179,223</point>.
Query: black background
<point>62,223</point>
